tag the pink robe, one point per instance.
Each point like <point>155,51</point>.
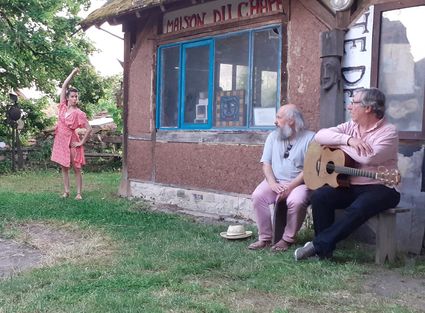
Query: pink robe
<point>65,134</point>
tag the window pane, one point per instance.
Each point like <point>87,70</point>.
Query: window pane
<point>169,87</point>
<point>402,66</point>
<point>196,85</point>
<point>241,77</point>
<point>225,76</point>
<point>265,76</point>
<point>231,75</point>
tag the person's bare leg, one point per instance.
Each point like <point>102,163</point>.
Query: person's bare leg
<point>78,177</point>
<point>79,182</point>
<point>65,177</point>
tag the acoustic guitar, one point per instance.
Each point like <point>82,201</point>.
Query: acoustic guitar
<point>323,165</point>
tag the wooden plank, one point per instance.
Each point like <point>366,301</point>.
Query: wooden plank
<point>284,66</point>
<point>332,43</point>
<point>342,20</point>
<point>208,137</point>
<point>320,11</point>
<point>112,139</point>
<point>211,29</point>
<point>360,7</point>
<point>280,212</point>
<point>395,211</point>
<point>385,239</point>
<point>331,89</point>
<point>101,155</point>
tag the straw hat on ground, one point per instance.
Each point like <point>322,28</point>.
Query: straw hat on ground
<point>236,232</point>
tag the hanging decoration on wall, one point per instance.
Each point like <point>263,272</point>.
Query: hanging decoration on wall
<point>230,108</point>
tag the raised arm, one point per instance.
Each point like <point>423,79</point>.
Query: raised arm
<point>66,83</point>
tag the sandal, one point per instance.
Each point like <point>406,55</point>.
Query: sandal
<point>281,246</point>
<point>78,197</point>
<point>259,245</point>
<point>65,194</point>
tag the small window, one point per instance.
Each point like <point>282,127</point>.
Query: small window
<point>196,89</point>
<point>266,43</point>
<point>401,66</point>
<point>232,80</point>
<point>225,82</point>
<point>170,85</point>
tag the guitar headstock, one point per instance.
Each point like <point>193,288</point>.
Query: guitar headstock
<point>391,178</point>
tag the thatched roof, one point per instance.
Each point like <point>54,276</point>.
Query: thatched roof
<point>116,8</point>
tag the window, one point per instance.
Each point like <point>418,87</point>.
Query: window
<point>225,82</point>
<point>196,81</point>
<point>401,66</point>
<point>169,92</point>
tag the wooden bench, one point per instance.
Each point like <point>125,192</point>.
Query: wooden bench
<point>383,225</point>
<point>101,155</point>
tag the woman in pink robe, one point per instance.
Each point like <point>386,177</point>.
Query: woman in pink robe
<point>68,149</point>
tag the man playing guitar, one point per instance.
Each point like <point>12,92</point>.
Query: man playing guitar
<point>371,142</point>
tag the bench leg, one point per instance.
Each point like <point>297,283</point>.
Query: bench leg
<point>385,238</point>
<point>279,220</point>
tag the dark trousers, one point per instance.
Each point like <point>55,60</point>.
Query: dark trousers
<point>359,202</point>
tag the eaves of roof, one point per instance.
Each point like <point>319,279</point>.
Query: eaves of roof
<point>115,8</point>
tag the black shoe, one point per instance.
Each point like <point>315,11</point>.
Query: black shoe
<point>305,252</point>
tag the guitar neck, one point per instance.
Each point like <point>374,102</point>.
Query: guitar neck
<point>352,171</point>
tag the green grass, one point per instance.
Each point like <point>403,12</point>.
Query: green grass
<point>159,262</point>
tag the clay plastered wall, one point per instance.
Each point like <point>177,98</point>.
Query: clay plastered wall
<point>140,114</point>
<point>140,108</point>
<point>227,168</point>
<point>140,162</point>
<point>304,62</point>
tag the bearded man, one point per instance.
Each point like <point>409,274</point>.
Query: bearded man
<point>283,161</point>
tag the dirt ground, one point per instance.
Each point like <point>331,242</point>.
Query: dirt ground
<point>43,244</point>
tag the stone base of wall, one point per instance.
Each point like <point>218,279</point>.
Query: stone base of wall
<point>220,204</point>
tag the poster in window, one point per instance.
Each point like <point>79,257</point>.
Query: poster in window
<point>264,116</point>
<point>230,108</point>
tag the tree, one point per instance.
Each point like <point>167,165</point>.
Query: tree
<point>112,100</point>
<point>40,43</point>
<point>91,87</point>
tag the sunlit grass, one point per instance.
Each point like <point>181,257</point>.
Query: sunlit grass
<point>144,261</point>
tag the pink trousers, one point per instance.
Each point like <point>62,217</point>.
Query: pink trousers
<point>297,202</point>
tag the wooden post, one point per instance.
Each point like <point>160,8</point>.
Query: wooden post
<point>124,188</point>
<point>279,220</point>
<point>331,84</point>
<point>19,150</point>
<point>13,146</point>
<point>385,238</point>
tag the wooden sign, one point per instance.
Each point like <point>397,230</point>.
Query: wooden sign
<point>218,11</point>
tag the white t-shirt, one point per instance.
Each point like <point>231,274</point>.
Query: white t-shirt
<point>286,169</point>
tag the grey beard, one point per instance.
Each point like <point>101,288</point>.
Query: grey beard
<point>284,132</point>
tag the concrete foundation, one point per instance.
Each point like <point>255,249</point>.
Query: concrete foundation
<point>221,204</point>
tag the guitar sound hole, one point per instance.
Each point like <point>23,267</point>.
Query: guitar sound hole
<point>330,167</point>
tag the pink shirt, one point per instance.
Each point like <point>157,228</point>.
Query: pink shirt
<point>382,137</point>
<point>65,133</point>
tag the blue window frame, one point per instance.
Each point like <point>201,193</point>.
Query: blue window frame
<point>196,87</point>
<point>224,82</point>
